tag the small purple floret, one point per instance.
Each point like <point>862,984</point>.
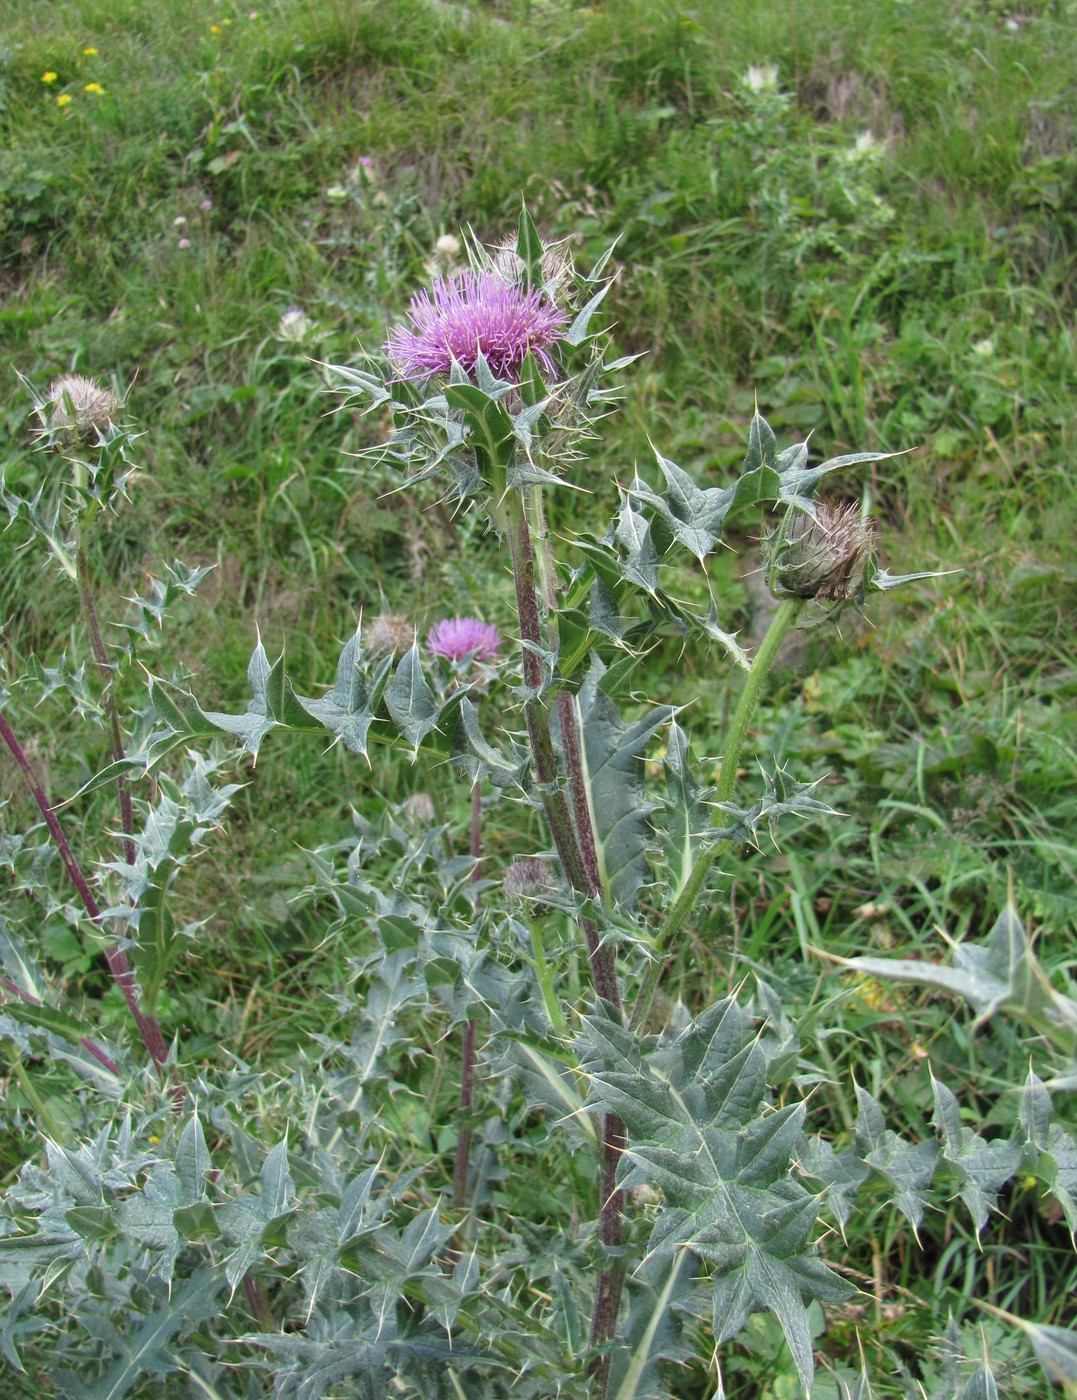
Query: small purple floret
<point>472,313</point>
<point>456,637</point>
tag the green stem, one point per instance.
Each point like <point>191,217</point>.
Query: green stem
<point>545,981</point>
<point>781,623</point>
<point>569,842</point>
<point>116,752</point>
<point>462,1162</point>
<point>44,1117</point>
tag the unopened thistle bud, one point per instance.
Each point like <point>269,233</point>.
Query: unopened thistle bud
<point>530,878</point>
<point>823,556</point>
<point>76,409</point>
<point>388,632</point>
<point>417,813</point>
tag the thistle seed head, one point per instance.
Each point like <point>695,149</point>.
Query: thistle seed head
<point>417,813</point>
<point>386,633</point>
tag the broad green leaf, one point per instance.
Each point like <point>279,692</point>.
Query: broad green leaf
<point>653,1331</point>
<point>490,425</point>
<point>633,534</point>
<point>982,1168</point>
<point>906,1167</point>
<point>479,757</point>
<point>277,1187</point>
<point>193,1162</point>
<point>529,250</point>
<point>29,1008</point>
<point>699,1129</point>
<point>1002,974</point>
<point>613,774</point>
<point>687,818</point>
<point>348,710</point>
<point>145,1349</point>
<point>409,699</point>
<point>1056,1351</point>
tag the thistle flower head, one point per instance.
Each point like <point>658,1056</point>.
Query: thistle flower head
<point>294,324</point>
<point>530,877</point>
<point>457,637</point>
<point>77,409</point>
<point>823,556</point>
<point>388,632</point>
<point>474,313</point>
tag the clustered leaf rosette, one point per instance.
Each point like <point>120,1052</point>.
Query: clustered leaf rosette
<point>492,378</point>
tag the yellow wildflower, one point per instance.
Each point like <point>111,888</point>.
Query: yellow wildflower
<point>63,99</point>
<point>93,87</point>
<point>215,29</point>
<point>48,76</point>
<point>89,50</point>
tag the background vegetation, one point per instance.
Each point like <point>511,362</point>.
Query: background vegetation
<point>878,247</point>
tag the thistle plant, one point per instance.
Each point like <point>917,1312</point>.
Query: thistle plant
<point>348,1237</point>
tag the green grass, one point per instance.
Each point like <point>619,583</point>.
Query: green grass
<point>917,293</point>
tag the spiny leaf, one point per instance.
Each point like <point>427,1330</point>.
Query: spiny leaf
<point>906,1167</point>
<point>1000,974</point>
<point>982,1168</point>
<point>698,1129</point>
<point>653,1331</point>
<point>145,1349</point>
<point>410,700</point>
<point>613,775</point>
<point>687,818</point>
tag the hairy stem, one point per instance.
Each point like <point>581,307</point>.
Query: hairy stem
<point>108,698</point>
<point>148,1029</point>
<point>462,1163</point>
<point>781,623</point>
<point>87,1044</point>
<point>575,846</point>
<point>611,1277</point>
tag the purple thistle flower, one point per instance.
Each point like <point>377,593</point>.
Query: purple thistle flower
<point>456,637</point>
<point>470,313</point>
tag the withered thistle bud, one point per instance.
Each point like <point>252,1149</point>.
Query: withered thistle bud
<point>530,877</point>
<point>417,813</point>
<point>388,632</point>
<point>824,557</point>
<point>76,409</point>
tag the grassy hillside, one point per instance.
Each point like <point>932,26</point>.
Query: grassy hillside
<point>861,217</point>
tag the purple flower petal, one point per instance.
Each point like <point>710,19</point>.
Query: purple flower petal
<point>473,313</point>
<point>456,637</point>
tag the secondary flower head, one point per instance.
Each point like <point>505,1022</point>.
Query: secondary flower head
<point>388,632</point>
<point>824,556</point>
<point>76,409</point>
<point>457,637</point>
<point>294,324</point>
<point>470,314</point>
<point>530,877</point>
